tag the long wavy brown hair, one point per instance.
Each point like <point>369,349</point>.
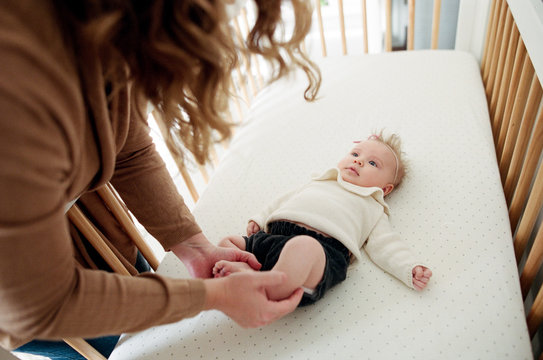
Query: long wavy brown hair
<point>180,54</point>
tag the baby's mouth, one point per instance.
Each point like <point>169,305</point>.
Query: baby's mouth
<point>353,170</point>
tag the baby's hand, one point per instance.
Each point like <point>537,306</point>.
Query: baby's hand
<point>421,276</point>
<point>252,228</point>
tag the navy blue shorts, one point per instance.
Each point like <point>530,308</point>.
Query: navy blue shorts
<point>267,247</point>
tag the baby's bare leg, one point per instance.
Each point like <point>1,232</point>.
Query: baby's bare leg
<point>303,260</point>
<point>233,241</point>
<point>224,267</point>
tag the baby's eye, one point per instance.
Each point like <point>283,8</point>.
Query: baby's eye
<point>354,154</point>
<point>372,163</point>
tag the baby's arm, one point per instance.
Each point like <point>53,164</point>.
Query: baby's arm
<point>393,255</point>
<point>421,276</point>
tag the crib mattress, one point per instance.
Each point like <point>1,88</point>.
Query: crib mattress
<point>450,209</point>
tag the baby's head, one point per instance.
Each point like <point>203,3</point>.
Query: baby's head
<point>375,162</point>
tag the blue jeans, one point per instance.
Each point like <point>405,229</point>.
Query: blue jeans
<point>59,350</point>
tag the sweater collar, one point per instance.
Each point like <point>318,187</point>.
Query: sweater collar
<point>375,192</point>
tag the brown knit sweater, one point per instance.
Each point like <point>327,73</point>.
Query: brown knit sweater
<point>60,138</point>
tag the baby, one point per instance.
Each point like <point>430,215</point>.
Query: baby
<point>312,233</point>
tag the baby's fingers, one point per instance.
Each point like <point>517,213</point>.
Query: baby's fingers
<point>418,272</point>
<point>427,273</point>
<point>419,285</point>
<point>421,277</point>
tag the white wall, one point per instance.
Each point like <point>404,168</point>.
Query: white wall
<point>471,32</point>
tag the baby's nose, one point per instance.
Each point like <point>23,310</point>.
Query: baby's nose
<point>359,162</point>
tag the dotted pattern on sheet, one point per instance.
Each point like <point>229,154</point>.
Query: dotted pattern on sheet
<point>450,210</point>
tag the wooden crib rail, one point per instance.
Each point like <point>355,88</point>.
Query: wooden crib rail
<point>388,28</point>
<point>514,94</point>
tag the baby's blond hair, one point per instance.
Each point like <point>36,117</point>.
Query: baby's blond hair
<point>394,142</point>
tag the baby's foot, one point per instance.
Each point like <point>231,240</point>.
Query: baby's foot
<point>224,268</point>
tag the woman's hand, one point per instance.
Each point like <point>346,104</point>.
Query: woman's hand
<point>199,255</point>
<point>242,296</point>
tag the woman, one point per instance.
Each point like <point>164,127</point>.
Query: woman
<point>75,77</point>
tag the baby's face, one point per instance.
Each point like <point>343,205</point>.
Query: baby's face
<point>370,163</point>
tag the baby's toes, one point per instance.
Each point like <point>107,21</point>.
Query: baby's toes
<point>219,266</point>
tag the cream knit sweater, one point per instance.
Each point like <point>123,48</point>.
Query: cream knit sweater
<point>356,216</point>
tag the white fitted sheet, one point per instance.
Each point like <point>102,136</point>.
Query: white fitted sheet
<point>450,209</point>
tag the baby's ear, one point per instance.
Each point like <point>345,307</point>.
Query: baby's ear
<point>388,189</point>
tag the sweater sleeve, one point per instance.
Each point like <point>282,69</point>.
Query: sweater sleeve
<point>389,252</point>
<point>48,296</point>
<point>142,180</point>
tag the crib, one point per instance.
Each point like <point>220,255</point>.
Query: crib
<point>471,121</point>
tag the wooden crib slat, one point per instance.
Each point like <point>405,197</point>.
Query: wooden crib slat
<point>245,59</point>
<point>84,348</point>
<point>388,33</point>
<point>411,26</point>
<point>225,143</point>
<point>528,120</point>
<point>342,27</point>
<point>526,175</point>
<point>241,84</point>
<point>187,179</point>
<point>365,25</point>
<point>520,55</point>
<point>533,263</point>
<point>182,169</point>
<point>535,316</point>
<point>214,155</point>
<point>497,115</point>
<point>189,183</point>
<point>253,56</point>
<point>516,116</point>
<point>493,29</point>
<point>497,48</point>
<point>529,217</point>
<point>90,232</point>
<point>501,63</point>
<point>114,203</point>
<point>488,38</point>
<point>204,173</point>
<point>235,97</point>
<point>435,23</point>
<point>321,27</point>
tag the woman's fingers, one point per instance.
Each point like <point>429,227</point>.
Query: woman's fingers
<point>243,297</point>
